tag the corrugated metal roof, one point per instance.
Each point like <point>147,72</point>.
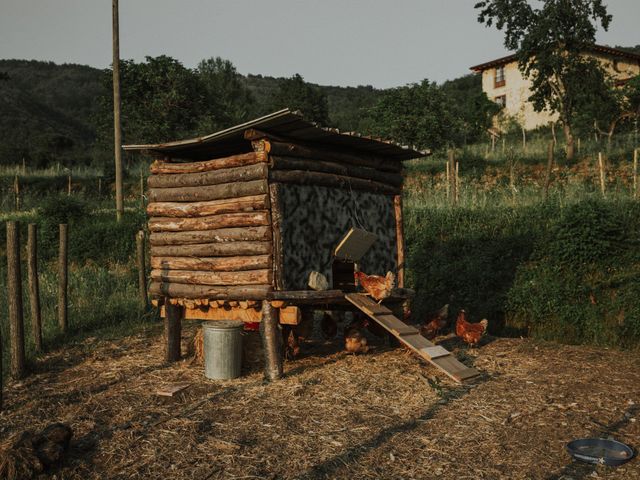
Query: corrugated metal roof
<point>284,123</point>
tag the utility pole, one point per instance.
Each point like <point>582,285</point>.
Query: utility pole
<point>117,133</point>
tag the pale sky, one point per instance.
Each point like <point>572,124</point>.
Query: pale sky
<point>329,42</point>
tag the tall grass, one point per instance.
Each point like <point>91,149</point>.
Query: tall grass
<point>102,296</point>
<point>488,253</point>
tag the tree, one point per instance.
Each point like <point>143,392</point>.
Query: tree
<point>419,114</point>
<point>471,105</point>
<point>161,100</point>
<point>616,105</point>
<point>550,43</point>
<point>296,94</point>
<point>225,87</point>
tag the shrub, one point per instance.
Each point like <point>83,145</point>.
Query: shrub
<point>583,281</point>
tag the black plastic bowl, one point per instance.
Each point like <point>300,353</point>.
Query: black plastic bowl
<point>600,450</point>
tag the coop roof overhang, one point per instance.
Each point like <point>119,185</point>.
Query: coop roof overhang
<point>286,124</point>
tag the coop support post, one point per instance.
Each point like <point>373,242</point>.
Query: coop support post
<point>62,277</point>
<point>34,286</point>
<point>397,204</point>
<point>271,341</point>
<point>14,297</point>
<point>172,331</point>
<point>142,277</point>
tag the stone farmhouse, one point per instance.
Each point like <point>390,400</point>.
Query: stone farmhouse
<point>503,82</point>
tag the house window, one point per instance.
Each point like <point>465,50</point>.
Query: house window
<point>499,80</point>
<point>501,100</point>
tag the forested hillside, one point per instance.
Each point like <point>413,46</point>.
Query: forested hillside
<point>61,113</point>
<point>46,111</point>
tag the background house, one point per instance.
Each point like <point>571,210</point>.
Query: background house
<point>503,82</point>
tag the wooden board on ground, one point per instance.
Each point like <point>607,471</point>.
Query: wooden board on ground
<point>354,244</point>
<point>410,336</point>
<point>172,389</point>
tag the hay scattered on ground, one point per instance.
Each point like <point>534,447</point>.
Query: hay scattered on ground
<point>380,415</point>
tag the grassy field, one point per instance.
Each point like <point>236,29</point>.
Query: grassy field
<point>102,288</point>
<point>561,269</point>
<point>562,266</point>
<point>491,254</point>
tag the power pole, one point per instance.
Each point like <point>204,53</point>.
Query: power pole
<point>117,133</point>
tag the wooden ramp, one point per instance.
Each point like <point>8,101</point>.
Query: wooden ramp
<point>410,336</point>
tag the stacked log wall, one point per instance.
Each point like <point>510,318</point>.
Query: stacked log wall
<point>210,228</point>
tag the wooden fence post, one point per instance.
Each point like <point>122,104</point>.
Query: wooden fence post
<point>271,342</point>
<point>34,286</point>
<point>547,178</point>
<point>16,192</point>
<point>100,186</point>
<point>457,199</point>
<point>142,273</point>
<point>602,174</point>
<point>141,189</point>
<point>448,180</point>
<point>452,177</point>
<point>0,371</point>
<point>69,185</point>
<point>14,297</point>
<point>397,206</point>
<point>172,331</point>
<point>635,173</point>
<point>62,277</point>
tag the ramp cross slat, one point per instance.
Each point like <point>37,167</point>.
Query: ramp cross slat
<point>411,337</point>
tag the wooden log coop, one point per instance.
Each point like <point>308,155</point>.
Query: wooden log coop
<point>239,219</point>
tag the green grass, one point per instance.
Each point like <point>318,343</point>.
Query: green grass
<point>504,252</point>
<point>102,289</point>
<point>492,252</point>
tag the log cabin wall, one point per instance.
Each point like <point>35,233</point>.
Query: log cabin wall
<point>210,228</point>
<point>316,196</point>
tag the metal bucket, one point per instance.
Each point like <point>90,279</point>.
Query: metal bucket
<point>222,349</point>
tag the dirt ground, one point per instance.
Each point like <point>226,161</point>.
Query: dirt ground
<point>380,415</point>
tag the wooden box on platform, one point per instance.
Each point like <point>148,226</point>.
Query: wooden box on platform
<point>241,217</point>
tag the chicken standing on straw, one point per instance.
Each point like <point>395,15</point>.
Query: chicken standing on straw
<point>377,286</point>
<point>435,322</point>
<point>470,332</point>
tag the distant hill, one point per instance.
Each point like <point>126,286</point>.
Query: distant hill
<point>46,111</point>
<point>347,105</point>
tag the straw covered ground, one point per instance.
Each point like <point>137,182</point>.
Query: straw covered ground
<point>380,415</point>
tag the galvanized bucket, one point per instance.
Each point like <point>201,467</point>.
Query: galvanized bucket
<point>222,349</point>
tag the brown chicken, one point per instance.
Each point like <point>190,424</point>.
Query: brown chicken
<point>377,286</point>
<point>435,322</point>
<point>470,332</point>
<point>291,342</point>
<point>354,338</point>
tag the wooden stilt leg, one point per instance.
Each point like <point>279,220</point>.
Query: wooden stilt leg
<point>271,341</point>
<point>172,332</point>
